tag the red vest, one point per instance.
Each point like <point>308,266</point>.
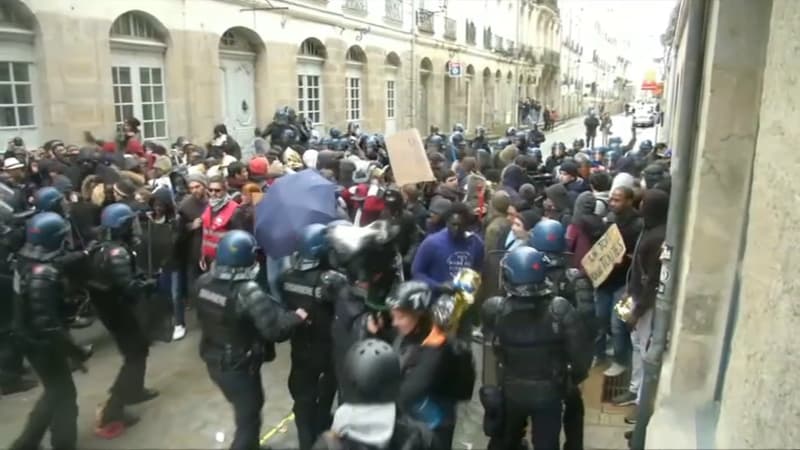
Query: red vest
<point>214,228</point>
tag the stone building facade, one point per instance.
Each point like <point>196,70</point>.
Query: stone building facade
<point>728,378</point>
<point>181,66</point>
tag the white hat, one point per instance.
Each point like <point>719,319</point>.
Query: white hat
<point>12,163</point>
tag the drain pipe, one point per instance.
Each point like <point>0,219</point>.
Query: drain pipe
<point>685,146</point>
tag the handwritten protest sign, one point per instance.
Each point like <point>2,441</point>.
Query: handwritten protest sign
<point>408,158</point>
<point>604,254</point>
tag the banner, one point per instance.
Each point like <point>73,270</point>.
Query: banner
<point>604,255</point>
<point>408,159</point>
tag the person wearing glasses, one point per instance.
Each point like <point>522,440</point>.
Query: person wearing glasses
<point>216,219</point>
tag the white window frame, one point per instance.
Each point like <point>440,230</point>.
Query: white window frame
<point>135,61</point>
<point>17,47</point>
<point>391,98</point>
<point>310,68</point>
<point>354,92</point>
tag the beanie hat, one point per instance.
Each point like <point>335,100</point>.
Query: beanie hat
<point>197,178</point>
<point>163,164</point>
<point>258,166</point>
<point>569,167</point>
<point>124,188</point>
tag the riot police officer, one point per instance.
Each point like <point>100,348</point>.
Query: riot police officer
<point>312,381</point>
<point>40,333</point>
<point>547,237</point>
<point>371,381</point>
<point>480,141</point>
<point>240,324</point>
<point>115,287</point>
<point>540,343</point>
<point>12,234</point>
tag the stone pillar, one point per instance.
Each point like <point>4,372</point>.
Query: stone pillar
<point>374,90</point>
<point>727,127</point>
<point>761,385</point>
<point>333,75</point>
<point>276,80</point>
<point>194,84</point>
<point>436,105</point>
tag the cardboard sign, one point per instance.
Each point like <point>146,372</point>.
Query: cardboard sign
<point>408,158</point>
<point>604,255</point>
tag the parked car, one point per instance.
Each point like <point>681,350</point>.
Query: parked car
<point>644,118</point>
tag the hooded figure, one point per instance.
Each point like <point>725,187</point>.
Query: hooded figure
<point>513,178</point>
<point>586,227</point>
<point>557,204</point>
<point>646,263</point>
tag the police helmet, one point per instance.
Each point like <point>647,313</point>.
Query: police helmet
<point>522,269</point>
<point>117,217</point>
<point>646,145</point>
<point>458,127</point>
<point>457,138</point>
<point>49,199</point>
<point>548,236</point>
<point>237,248</point>
<point>616,140</point>
<point>47,230</point>
<point>503,143</point>
<point>340,144</point>
<point>511,131</point>
<point>335,133</point>
<point>412,296</point>
<point>435,140</point>
<point>480,131</point>
<point>313,242</point>
<point>372,373</point>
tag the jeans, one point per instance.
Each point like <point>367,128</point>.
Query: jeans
<point>609,323</point>
<point>243,390</point>
<point>640,338</point>
<point>177,282</point>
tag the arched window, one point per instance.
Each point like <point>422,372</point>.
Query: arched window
<point>310,59</point>
<point>18,75</point>
<point>354,71</point>
<point>138,42</point>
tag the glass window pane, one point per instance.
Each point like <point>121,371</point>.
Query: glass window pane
<point>118,116</point>
<point>159,112</point>
<point>127,112</point>
<point>149,130</point>
<point>124,75</point>
<point>6,95</point>
<point>158,94</point>
<point>147,112</point>
<point>147,94</point>
<point>126,94</point>
<point>21,72</point>
<point>23,93</point>
<point>144,75</point>
<point>114,75</point>
<point>7,117</point>
<point>5,73</point>
<point>25,115</point>
<point>156,76</point>
<point>161,129</point>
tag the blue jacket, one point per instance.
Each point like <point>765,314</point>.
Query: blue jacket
<point>439,258</point>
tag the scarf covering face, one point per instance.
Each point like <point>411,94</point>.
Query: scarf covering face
<point>216,204</point>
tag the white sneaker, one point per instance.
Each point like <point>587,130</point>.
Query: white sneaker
<point>615,370</point>
<point>178,332</point>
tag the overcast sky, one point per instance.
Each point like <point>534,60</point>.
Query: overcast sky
<point>639,21</point>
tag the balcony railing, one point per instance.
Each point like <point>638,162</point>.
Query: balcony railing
<point>425,21</point>
<point>548,56</point>
<point>357,6</point>
<point>450,29</point>
<point>394,10</point>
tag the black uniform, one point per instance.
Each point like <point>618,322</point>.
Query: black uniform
<point>114,288</point>
<point>11,238</point>
<point>349,321</point>
<point>240,325</point>
<point>577,289</point>
<point>41,334</point>
<point>540,344</point>
<point>312,381</point>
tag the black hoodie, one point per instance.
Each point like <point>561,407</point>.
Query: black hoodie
<point>646,264</point>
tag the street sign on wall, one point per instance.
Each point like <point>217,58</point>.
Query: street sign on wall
<point>454,69</point>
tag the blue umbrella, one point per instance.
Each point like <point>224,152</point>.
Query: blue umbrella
<point>293,202</point>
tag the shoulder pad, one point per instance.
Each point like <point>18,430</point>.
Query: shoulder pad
<point>493,306</point>
<point>334,278</point>
<point>560,307</point>
<point>249,288</point>
<point>44,271</point>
